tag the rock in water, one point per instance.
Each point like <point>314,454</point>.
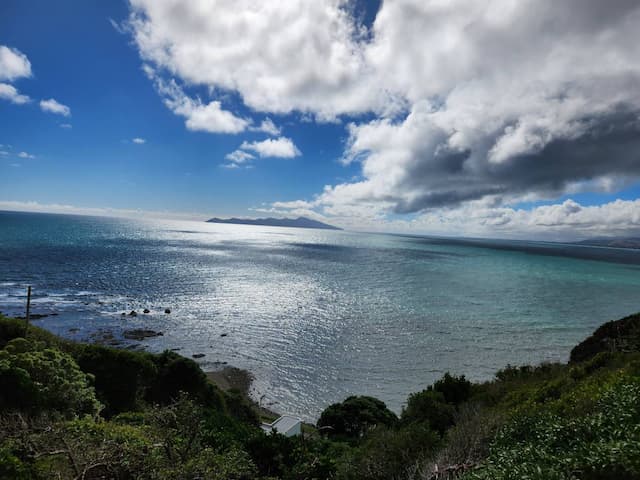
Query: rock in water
<point>140,334</point>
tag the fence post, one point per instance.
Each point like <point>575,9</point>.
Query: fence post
<point>26,326</point>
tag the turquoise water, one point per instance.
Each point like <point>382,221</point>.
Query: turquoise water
<point>316,315</point>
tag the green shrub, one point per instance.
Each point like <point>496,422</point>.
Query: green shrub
<point>601,444</point>
<point>177,374</point>
<point>455,390</point>
<point>12,468</point>
<point>390,453</point>
<point>239,407</point>
<point>429,407</point>
<point>35,378</point>
<point>353,417</point>
<point>121,377</point>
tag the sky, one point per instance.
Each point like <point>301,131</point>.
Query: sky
<point>504,118</point>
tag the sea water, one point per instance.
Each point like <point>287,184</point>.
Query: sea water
<point>315,315</point>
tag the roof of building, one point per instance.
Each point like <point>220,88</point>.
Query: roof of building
<point>282,424</point>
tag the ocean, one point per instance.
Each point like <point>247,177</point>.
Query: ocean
<point>315,315</point>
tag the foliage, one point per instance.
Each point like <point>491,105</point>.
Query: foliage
<point>293,458</point>
<point>353,417</point>
<point>601,444</point>
<point>11,467</point>
<point>176,374</point>
<point>617,336</point>
<point>429,407</point>
<point>121,377</point>
<point>455,390</point>
<point>390,453</point>
<point>35,378</point>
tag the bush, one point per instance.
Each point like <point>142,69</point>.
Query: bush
<point>601,444</point>
<point>176,374</point>
<point>429,407</point>
<point>353,417</point>
<point>455,390</point>
<point>12,468</point>
<point>35,378</point>
<point>390,453</point>
<point>121,377</point>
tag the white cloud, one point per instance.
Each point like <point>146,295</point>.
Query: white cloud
<point>26,155</point>
<point>207,117</point>
<point>267,126</point>
<point>9,92</point>
<point>565,221</point>
<point>296,204</point>
<point>34,206</point>
<point>466,101</point>
<point>139,141</point>
<point>210,118</point>
<point>121,28</point>
<point>66,125</point>
<point>53,106</point>
<point>281,147</point>
<point>239,156</point>
<point>280,56</point>
<point>13,64</point>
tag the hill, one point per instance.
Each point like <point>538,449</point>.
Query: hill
<point>613,242</point>
<point>300,222</point>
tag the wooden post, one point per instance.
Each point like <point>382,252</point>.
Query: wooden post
<point>26,326</point>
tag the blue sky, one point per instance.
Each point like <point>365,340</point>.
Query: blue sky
<point>388,118</point>
<point>80,59</point>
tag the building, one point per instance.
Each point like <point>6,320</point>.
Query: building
<point>285,425</point>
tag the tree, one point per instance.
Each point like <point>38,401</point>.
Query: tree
<point>454,389</point>
<point>430,407</point>
<point>353,417</point>
<point>35,378</point>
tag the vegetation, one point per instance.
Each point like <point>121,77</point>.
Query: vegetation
<point>354,417</point>
<point>77,411</point>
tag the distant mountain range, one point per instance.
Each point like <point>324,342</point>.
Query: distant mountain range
<point>300,222</point>
<point>619,242</point>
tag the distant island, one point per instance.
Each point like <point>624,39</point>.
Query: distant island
<point>613,242</point>
<point>300,222</point>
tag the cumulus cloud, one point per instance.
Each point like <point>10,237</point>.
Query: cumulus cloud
<point>280,56</point>
<point>465,101</point>
<point>26,155</point>
<point>199,116</point>
<point>66,126</point>
<point>139,141</point>
<point>281,147</point>
<point>506,100</point>
<point>9,92</point>
<point>267,126</point>
<point>564,221</point>
<point>13,64</point>
<point>53,106</point>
